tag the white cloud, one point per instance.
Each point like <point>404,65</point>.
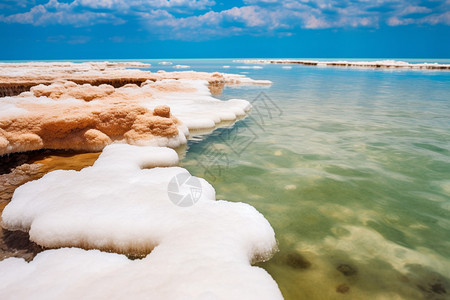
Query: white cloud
<point>411,9</point>
<point>313,22</point>
<point>198,19</point>
<point>273,17</point>
<point>146,4</point>
<point>435,19</point>
<point>59,13</point>
<point>234,21</point>
<point>247,14</point>
<point>394,21</point>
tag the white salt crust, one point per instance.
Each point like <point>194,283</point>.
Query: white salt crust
<point>203,251</point>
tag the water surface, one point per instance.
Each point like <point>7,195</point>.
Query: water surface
<point>352,169</point>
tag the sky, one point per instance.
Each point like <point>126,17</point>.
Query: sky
<point>133,29</point>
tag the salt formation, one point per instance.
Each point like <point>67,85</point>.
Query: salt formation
<point>181,67</point>
<point>31,123</point>
<point>199,252</point>
<point>363,64</point>
<point>203,112</point>
<point>20,77</point>
<point>65,115</point>
<point>44,69</point>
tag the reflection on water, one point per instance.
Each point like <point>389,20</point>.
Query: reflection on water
<point>353,176</point>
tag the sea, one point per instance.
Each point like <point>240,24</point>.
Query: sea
<point>351,167</point>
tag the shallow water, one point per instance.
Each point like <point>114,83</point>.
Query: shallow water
<point>352,169</point>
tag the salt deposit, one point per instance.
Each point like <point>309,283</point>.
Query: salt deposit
<point>204,250</point>
<point>364,64</point>
<point>181,67</point>
<point>47,69</point>
<point>20,77</point>
<point>67,115</point>
<point>43,122</point>
<point>203,112</point>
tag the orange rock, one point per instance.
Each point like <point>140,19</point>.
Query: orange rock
<point>162,111</point>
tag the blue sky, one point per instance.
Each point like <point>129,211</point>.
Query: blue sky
<point>102,29</point>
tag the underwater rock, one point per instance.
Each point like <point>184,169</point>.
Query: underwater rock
<point>347,270</point>
<point>297,261</point>
<point>432,284</point>
<point>342,288</point>
<point>433,288</point>
<point>438,288</point>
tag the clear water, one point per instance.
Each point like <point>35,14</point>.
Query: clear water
<point>352,169</point>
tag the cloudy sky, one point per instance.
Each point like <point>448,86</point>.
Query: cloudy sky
<point>33,29</point>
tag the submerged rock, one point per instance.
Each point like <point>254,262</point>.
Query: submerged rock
<point>297,261</point>
<point>347,270</point>
<point>433,288</point>
<point>432,284</point>
<point>343,288</point>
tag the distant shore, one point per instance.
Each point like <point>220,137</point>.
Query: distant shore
<point>391,64</point>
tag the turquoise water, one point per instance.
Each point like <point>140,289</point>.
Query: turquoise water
<point>352,169</point>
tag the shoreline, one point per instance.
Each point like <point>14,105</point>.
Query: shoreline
<point>87,106</point>
<point>388,64</point>
<point>16,78</point>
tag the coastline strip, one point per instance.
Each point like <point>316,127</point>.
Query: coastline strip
<point>390,64</point>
